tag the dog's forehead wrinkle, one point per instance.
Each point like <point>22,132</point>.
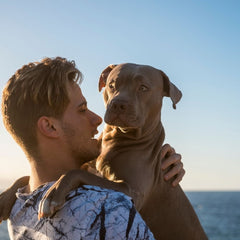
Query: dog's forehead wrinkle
<point>149,75</point>
<point>139,78</point>
<point>122,71</point>
<point>128,76</point>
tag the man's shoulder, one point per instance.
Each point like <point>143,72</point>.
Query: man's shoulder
<point>95,209</point>
<point>86,194</point>
<point>105,213</point>
<point>83,207</point>
<point>89,191</point>
<point>95,197</point>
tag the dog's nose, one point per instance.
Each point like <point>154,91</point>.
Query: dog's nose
<point>119,106</point>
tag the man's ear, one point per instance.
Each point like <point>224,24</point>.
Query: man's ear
<point>170,90</point>
<point>104,75</point>
<point>48,127</point>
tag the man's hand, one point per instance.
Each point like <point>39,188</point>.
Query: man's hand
<point>172,166</point>
<point>8,197</point>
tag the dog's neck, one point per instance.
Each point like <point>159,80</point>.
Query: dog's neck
<point>117,143</point>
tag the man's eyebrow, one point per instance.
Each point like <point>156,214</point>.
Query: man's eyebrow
<point>82,103</point>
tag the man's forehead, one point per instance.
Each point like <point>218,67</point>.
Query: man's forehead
<point>75,93</point>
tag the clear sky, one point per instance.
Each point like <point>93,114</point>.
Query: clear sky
<point>196,43</point>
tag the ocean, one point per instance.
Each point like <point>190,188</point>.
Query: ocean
<point>219,213</point>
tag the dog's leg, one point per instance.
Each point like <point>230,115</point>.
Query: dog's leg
<point>55,196</point>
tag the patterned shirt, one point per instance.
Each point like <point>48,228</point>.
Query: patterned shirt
<point>89,213</point>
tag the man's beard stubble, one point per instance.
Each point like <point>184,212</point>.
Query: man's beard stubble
<point>81,154</point>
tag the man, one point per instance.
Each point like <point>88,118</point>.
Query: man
<point>44,110</point>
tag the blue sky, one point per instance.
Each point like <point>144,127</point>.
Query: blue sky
<point>196,43</point>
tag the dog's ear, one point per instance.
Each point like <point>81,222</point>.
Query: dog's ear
<point>170,90</point>
<point>104,75</point>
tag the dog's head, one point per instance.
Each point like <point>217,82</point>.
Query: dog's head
<point>133,94</point>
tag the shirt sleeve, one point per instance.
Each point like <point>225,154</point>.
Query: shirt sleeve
<point>117,219</point>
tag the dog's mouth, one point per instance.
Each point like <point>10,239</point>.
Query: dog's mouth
<point>123,114</point>
<point>125,126</point>
<point>122,121</point>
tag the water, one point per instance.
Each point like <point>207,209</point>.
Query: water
<point>4,231</point>
<point>219,213</point>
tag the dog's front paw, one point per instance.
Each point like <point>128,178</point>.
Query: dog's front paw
<point>52,200</point>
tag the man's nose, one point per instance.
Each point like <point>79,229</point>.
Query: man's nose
<point>96,119</point>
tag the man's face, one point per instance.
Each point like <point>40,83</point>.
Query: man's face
<point>79,125</point>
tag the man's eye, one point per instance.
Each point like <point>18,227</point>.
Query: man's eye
<point>83,109</point>
<point>143,88</point>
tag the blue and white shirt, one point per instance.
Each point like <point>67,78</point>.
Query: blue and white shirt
<point>89,213</point>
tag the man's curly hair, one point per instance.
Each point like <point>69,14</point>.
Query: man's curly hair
<point>37,89</point>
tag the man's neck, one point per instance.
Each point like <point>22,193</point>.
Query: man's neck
<point>44,173</point>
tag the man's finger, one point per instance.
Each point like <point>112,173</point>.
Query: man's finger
<point>174,171</point>
<point>173,159</point>
<point>178,178</point>
<point>166,149</point>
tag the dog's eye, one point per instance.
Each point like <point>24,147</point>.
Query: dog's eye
<point>143,88</point>
<point>111,86</point>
